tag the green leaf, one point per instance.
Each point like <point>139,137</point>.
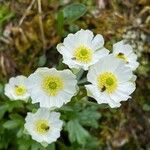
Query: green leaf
<point>5,14</point>
<point>17,118</point>
<point>1,89</point>
<point>75,71</point>
<point>74,28</point>
<point>90,117</point>
<point>80,74</point>
<point>42,61</point>
<point>20,132</point>
<point>76,132</point>
<point>146,107</point>
<point>24,144</point>
<point>14,104</point>
<point>44,144</point>
<point>3,109</point>
<point>11,124</point>
<point>74,11</point>
<point>60,23</point>
<point>51,146</point>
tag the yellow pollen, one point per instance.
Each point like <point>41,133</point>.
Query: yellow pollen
<point>20,90</point>
<point>107,81</point>
<point>52,85</point>
<point>83,54</point>
<point>122,56</point>
<point>42,126</point>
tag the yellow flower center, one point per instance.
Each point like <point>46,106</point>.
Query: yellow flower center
<point>122,56</point>
<point>52,85</point>
<point>42,126</point>
<point>107,82</point>
<point>83,54</point>
<point>20,90</point>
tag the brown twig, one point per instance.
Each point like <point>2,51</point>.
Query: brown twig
<point>4,40</point>
<point>2,64</point>
<point>41,24</point>
<point>27,10</point>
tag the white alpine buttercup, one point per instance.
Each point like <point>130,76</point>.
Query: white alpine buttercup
<point>16,89</point>
<point>82,49</point>
<point>50,87</point>
<point>43,126</point>
<point>112,81</point>
<point>125,52</point>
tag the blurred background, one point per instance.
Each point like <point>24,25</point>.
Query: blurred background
<point>29,33</point>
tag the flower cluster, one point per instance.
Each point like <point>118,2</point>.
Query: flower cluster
<point>110,80</point>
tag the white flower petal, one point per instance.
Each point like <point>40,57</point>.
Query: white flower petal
<point>38,93</point>
<point>132,57</point>
<point>113,104</point>
<point>127,88</point>
<point>133,79</point>
<point>98,42</point>
<point>133,65</point>
<point>94,92</point>
<point>92,75</point>
<point>10,88</point>
<point>119,96</point>
<point>105,64</point>
<point>71,63</point>
<point>101,53</point>
<point>52,120</point>
<point>101,97</point>
<point>64,50</point>
<point>123,73</point>
<point>129,55</point>
<point>70,80</point>
<point>70,42</point>
<point>123,79</point>
<point>86,35</point>
<point>121,47</point>
<point>85,39</point>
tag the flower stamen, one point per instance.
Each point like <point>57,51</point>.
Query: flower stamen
<point>52,85</point>
<point>107,82</point>
<point>20,90</point>
<point>42,126</point>
<point>83,54</point>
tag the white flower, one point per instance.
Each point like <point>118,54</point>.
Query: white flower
<point>43,126</point>
<point>125,52</point>
<point>16,88</point>
<point>82,49</point>
<point>51,88</point>
<point>112,81</point>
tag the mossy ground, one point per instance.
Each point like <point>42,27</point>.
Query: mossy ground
<point>29,33</point>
